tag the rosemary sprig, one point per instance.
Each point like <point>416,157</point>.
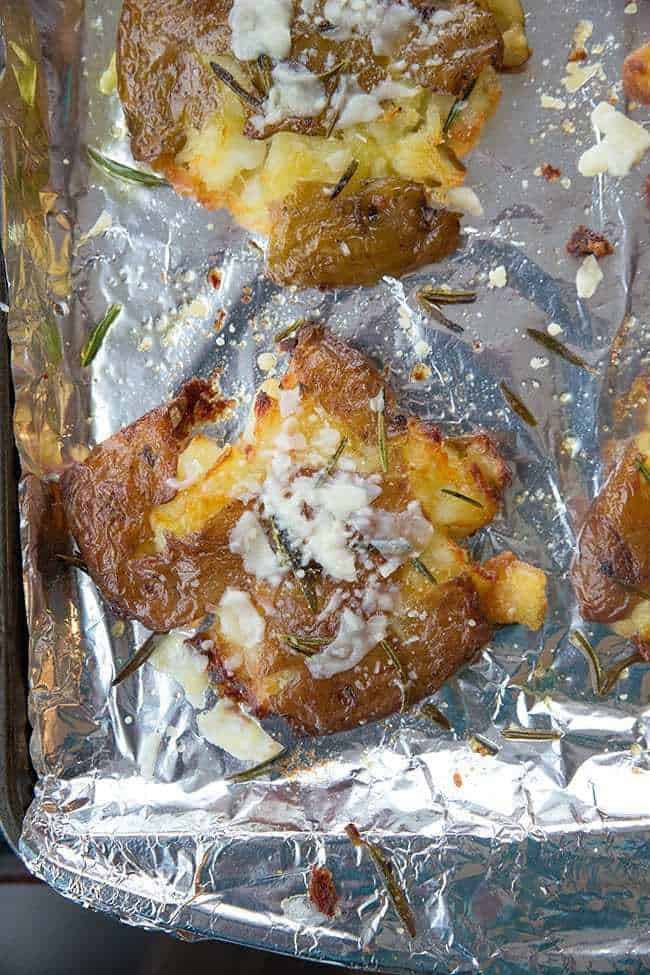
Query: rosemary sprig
<point>381,438</point>
<point>288,559</point>
<point>442,296</point>
<point>434,714</point>
<point>461,497</point>
<point>126,173</point>
<point>98,334</point>
<point>139,658</point>
<point>247,97</point>
<point>560,349</point>
<point>612,676</point>
<point>256,770</point>
<point>386,873</point>
<point>517,406</point>
<point>420,567</point>
<point>580,641</point>
<point>306,645</point>
<point>399,667</point>
<point>431,309</point>
<point>530,734</point>
<point>458,107</point>
<point>642,468</point>
<point>75,561</point>
<point>289,329</point>
<point>345,179</point>
<point>332,462</point>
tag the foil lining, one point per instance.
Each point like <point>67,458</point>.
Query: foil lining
<point>533,859</point>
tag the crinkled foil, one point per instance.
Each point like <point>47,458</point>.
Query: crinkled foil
<point>533,859</point>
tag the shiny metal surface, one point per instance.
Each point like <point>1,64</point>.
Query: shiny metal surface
<point>534,859</point>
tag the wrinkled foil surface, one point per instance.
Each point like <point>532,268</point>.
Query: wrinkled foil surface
<point>533,859</point>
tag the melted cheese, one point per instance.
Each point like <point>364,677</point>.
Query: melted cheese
<point>240,623</point>
<point>249,540</point>
<point>187,665</point>
<point>355,638</point>
<point>229,727</point>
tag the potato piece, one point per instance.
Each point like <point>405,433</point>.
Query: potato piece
<point>387,227</point>
<point>636,74</point>
<point>509,15</point>
<point>512,591</point>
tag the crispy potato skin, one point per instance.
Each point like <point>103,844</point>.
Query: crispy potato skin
<point>386,227</point>
<point>160,551</point>
<point>636,74</point>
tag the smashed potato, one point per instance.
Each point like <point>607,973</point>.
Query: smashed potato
<point>319,553</point>
<point>234,124</point>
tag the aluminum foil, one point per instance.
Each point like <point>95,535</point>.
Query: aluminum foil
<point>534,859</point>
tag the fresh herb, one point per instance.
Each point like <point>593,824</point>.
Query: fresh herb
<point>458,107</point>
<point>443,296</point>
<point>287,558</point>
<point>74,561</point>
<point>381,438</point>
<point>399,667</point>
<point>516,404</point>
<point>345,179</point>
<point>263,79</point>
<point>306,645</point>
<point>334,71</point>
<point>461,497</point>
<point>559,348</point>
<point>431,308</point>
<point>256,770</point>
<point>98,334</point>
<point>139,658</point>
<point>247,97</point>
<point>530,734</point>
<point>580,641</point>
<point>332,462</point>
<point>612,676</point>
<point>642,468</point>
<point>386,873</point>
<point>434,714</point>
<point>483,746</point>
<point>336,114</point>
<point>126,173</point>
<point>420,567</point>
<point>289,329</point>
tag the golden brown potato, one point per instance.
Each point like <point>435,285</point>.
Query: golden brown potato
<point>386,227</point>
<point>636,75</point>
<point>299,558</point>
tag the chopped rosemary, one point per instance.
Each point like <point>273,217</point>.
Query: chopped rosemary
<point>399,666</point>
<point>334,71</point>
<point>306,645</point>
<point>420,567</point>
<point>332,462</point>
<point>558,348</point>
<point>345,179</point>
<point>289,329</point>
<point>580,641</point>
<point>458,107</point>
<point>255,246</point>
<point>483,746</point>
<point>434,714</point>
<point>381,438</point>
<point>256,770</point>
<point>264,67</point>
<point>127,173</point>
<point>247,97</point>
<point>98,334</point>
<point>612,676</point>
<point>443,296</point>
<point>530,734</point>
<point>643,468</point>
<point>431,309</point>
<point>75,561</point>
<point>386,873</point>
<point>517,406</point>
<point>288,559</point>
<point>461,497</point>
<point>139,658</point>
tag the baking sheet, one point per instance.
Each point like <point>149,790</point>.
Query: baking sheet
<point>537,861</point>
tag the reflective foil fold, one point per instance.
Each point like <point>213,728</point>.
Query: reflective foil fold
<point>531,859</point>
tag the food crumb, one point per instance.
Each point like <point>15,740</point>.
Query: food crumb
<point>458,780</point>
<point>549,101</point>
<point>550,173</point>
<point>585,241</point>
<point>554,329</point>
<point>214,277</point>
<point>322,891</point>
<point>646,191</point>
<point>631,8</point>
<point>577,54</point>
<point>420,372</point>
<point>266,361</point>
<point>498,277</point>
<point>220,320</point>
<point>588,277</point>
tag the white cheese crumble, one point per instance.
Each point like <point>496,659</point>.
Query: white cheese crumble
<point>498,277</point>
<point>356,637</point>
<point>623,144</point>
<point>249,540</point>
<point>187,665</point>
<point>289,399</point>
<point>229,727</point>
<point>355,106</point>
<point>588,277</point>
<point>464,198</point>
<point>385,24</point>
<point>261,28</point>
<point>239,621</point>
<point>296,93</point>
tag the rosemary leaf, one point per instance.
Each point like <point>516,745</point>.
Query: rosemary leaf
<point>461,497</point>
<point>580,641</point>
<point>98,334</point>
<point>247,97</point>
<point>530,734</point>
<point>255,246</point>
<point>345,179</point>
<point>334,71</point>
<point>139,658</point>
<point>517,406</point>
<point>386,873</point>
<point>381,439</point>
<point>289,329</point>
<point>399,666</point>
<point>288,559</point>
<point>612,676</point>
<point>431,309</point>
<point>558,348</point>
<point>256,770</point>
<point>264,67</point>
<point>126,173</point>
<point>643,468</point>
<point>306,645</point>
<point>332,462</point>
<point>442,296</point>
<point>420,567</point>
<point>458,107</point>
<point>434,714</point>
<point>74,561</point>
